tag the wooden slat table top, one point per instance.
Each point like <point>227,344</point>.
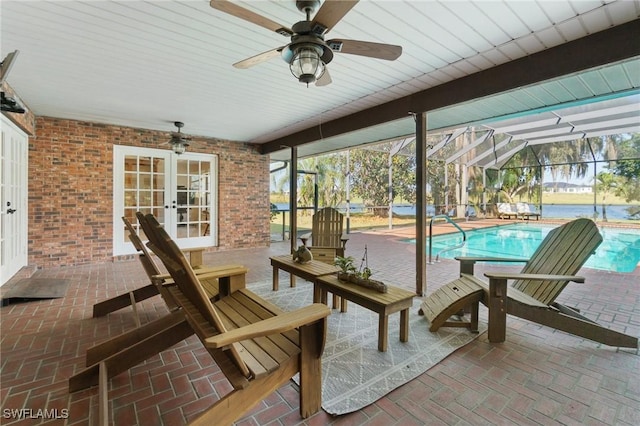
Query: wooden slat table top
<point>393,300</point>
<point>309,270</point>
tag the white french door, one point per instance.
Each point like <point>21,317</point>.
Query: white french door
<point>13,199</point>
<point>180,191</point>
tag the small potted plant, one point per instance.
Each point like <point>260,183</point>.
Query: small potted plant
<point>346,267</point>
<point>362,277</point>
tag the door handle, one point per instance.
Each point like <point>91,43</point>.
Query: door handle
<point>11,211</point>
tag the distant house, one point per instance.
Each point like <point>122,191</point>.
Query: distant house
<point>567,188</point>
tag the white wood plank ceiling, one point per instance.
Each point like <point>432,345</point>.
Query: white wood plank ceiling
<point>552,105</point>
<point>148,63</point>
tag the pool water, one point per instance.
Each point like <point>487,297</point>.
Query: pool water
<point>619,251</point>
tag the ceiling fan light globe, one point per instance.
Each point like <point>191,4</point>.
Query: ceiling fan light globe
<point>179,148</point>
<point>306,65</point>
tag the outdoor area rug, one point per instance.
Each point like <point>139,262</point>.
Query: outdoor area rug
<point>35,288</point>
<point>355,374</point>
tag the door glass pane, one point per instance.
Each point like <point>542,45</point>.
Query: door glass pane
<point>131,198</point>
<point>158,198</point>
<point>144,164</point>
<point>183,167</point>
<point>131,164</point>
<point>130,180</point>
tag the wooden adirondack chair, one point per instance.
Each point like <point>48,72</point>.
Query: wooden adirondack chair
<point>327,239</point>
<point>256,345</point>
<point>116,355</point>
<point>158,279</point>
<point>533,292</point>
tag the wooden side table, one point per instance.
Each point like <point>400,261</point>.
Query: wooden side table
<point>308,271</point>
<point>384,304</point>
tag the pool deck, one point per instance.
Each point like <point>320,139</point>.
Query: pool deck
<point>441,228</point>
<point>538,376</point>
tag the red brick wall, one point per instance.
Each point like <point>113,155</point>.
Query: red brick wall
<point>71,190</point>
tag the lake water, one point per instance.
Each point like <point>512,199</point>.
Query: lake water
<point>555,211</point>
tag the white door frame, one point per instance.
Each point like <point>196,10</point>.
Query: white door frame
<point>165,200</point>
<point>14,159</point>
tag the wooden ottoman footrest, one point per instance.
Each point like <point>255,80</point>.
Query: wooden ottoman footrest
<point>451,299</point>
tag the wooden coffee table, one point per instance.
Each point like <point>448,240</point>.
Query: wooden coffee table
<point>385,304</point>
<point>308,271</point>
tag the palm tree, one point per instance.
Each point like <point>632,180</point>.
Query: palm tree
<point>570,158</point>
<point>329,173</point>
<point>606,184</point>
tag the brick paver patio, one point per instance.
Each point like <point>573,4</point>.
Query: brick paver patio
<point>538,376</point>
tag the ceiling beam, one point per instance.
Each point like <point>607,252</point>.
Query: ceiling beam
<point>604,47</point>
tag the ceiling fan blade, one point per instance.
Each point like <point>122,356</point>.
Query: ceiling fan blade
<point>249,16</point>
<point>389,52</point>
<point>258,59</point>
<point>325,78</point>
<point>332,11</point>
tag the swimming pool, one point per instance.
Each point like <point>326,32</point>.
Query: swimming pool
<point>619,251</point>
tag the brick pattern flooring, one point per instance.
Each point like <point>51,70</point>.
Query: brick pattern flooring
<point>538,376</point>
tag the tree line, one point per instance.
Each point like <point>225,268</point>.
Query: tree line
<point>378,174</point>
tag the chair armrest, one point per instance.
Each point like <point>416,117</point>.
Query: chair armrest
<point>467,263</point>
<point>277,324</point>
<point>489,259</point>
<point>305,237</point>
<point>498,294</point>
<point>193,249</point>
<point>344,238</point>
<point>209,272</point>
<point>536,277</point>
<point>220,273</point>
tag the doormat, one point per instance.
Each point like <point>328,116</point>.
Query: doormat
<point>29,289</point>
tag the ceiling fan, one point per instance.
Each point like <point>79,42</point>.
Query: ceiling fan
<point>179,142</point>
<point>308,53</point>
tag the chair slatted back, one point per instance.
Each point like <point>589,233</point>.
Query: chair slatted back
<point>563,252</point>
<point>326,228</point>
<point>185,278</point>
<point>149,265</point>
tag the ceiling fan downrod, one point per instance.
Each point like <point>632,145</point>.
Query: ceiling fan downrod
<point>307,7</point>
